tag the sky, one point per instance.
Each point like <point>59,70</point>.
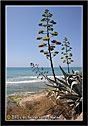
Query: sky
<point>22,29</point>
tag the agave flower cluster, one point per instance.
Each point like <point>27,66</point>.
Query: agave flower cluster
<point>50,44</point>
<point>67,57</point>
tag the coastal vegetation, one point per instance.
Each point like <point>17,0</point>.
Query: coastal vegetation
<point>63,99</point>
<point>70,86</point>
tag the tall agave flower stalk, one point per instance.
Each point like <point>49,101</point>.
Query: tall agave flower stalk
<point>67,55</point>
<point>50,44</point>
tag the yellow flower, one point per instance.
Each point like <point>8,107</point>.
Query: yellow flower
<point>46,38</point>
<point>54,33</point>
<point>41,31</point>
<point>46,52</point>
<point>42,44</point>
<point>52,22</point>
<point>61,57</point>
<point>58,43</point>
<point>63,48</point>
<point>41,50</point>
<point>64,61</point>
<point>67,57</point>
<point>53,41</point>
<point>39,37</point>
<point>40,24</point>
<point>49,25</point>
<point>72,60</point>
<point>56,52</point>
<point>43,19</point>
<point>64,53</point>
<point>70,54</point>
<point>52,46</point>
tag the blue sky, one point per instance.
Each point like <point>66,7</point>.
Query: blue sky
<point>22,29</point>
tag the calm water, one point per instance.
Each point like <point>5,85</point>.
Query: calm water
<point>24,80</point>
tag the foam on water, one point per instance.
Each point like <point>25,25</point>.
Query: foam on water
<point>24,80</point>
<point>35,80</point>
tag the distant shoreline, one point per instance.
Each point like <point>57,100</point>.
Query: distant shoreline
<point>28,93</point>
<point>46,67</point>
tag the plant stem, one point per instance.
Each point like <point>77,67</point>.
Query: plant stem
<point>67,60</point>
<point>50,53</point>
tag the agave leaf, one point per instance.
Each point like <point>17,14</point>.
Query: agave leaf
<point>64,82</point>
<point>52,81</point>
<point>76,87</point>
<point>52,86</point>
<point>73,71</point>
<point>64,73</point>
<point>65,89</point>
<point>70,96</point>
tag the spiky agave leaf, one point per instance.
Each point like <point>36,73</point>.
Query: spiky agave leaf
<point>73,71</point>
<point>70,96</point>
<point>64,73</point>
<point>63,81</point>
<point>76,87</point>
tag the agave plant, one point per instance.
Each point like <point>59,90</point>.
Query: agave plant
<point>70,89</point>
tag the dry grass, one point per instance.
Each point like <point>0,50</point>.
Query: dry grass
<point>40,106</point>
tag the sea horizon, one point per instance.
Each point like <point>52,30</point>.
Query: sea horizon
<point>41,66</point>
<point>23,79</point>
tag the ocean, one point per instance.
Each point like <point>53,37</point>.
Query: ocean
<point>21,79</point>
